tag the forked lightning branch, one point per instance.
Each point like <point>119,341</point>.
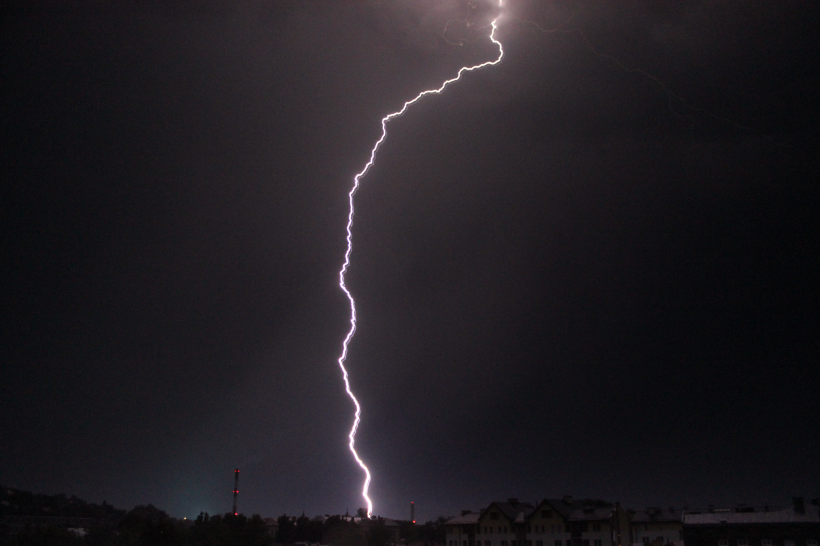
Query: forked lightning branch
<point>346,264</point>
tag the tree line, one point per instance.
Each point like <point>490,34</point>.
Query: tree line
<point>28,519</point>
<point>341,531</point>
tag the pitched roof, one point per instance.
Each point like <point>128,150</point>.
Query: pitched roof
<point>657,515</point>
<point>581,509</point>
<point>464,519</point>
<point>514,511</point>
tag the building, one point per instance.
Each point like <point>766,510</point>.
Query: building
<point>591,522</point>
<point>272,525</point>
<point>552,522</point>
<point>548,526</point>
<point>657,526</point>
<point>503,524</point>
<point>798,525</point>
<point>461,530</point>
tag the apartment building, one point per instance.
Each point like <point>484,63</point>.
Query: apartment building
<point>552,522</point>
<point>503,524</point>
<point>657,526</point>
<point>461,530</point>
<point>798,525</point>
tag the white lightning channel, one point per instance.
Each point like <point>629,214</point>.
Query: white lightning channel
<point>343,286</point>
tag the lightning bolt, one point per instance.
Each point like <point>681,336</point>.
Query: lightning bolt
<point>346,265</point>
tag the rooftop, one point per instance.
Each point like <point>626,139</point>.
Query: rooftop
<point>789,515</point>
<point>464,519</point>
<point>656,515</point>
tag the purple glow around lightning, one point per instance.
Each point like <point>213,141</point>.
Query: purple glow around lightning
<point>343,286</point>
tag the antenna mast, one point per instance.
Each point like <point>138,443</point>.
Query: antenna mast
<point>235,489</point>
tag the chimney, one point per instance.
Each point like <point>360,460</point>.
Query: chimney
<point>567,499</point>
<point>799,505</point>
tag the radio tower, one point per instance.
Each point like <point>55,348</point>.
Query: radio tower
<point>235,489</point>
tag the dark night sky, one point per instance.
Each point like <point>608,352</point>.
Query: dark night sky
<point>568,281</point>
